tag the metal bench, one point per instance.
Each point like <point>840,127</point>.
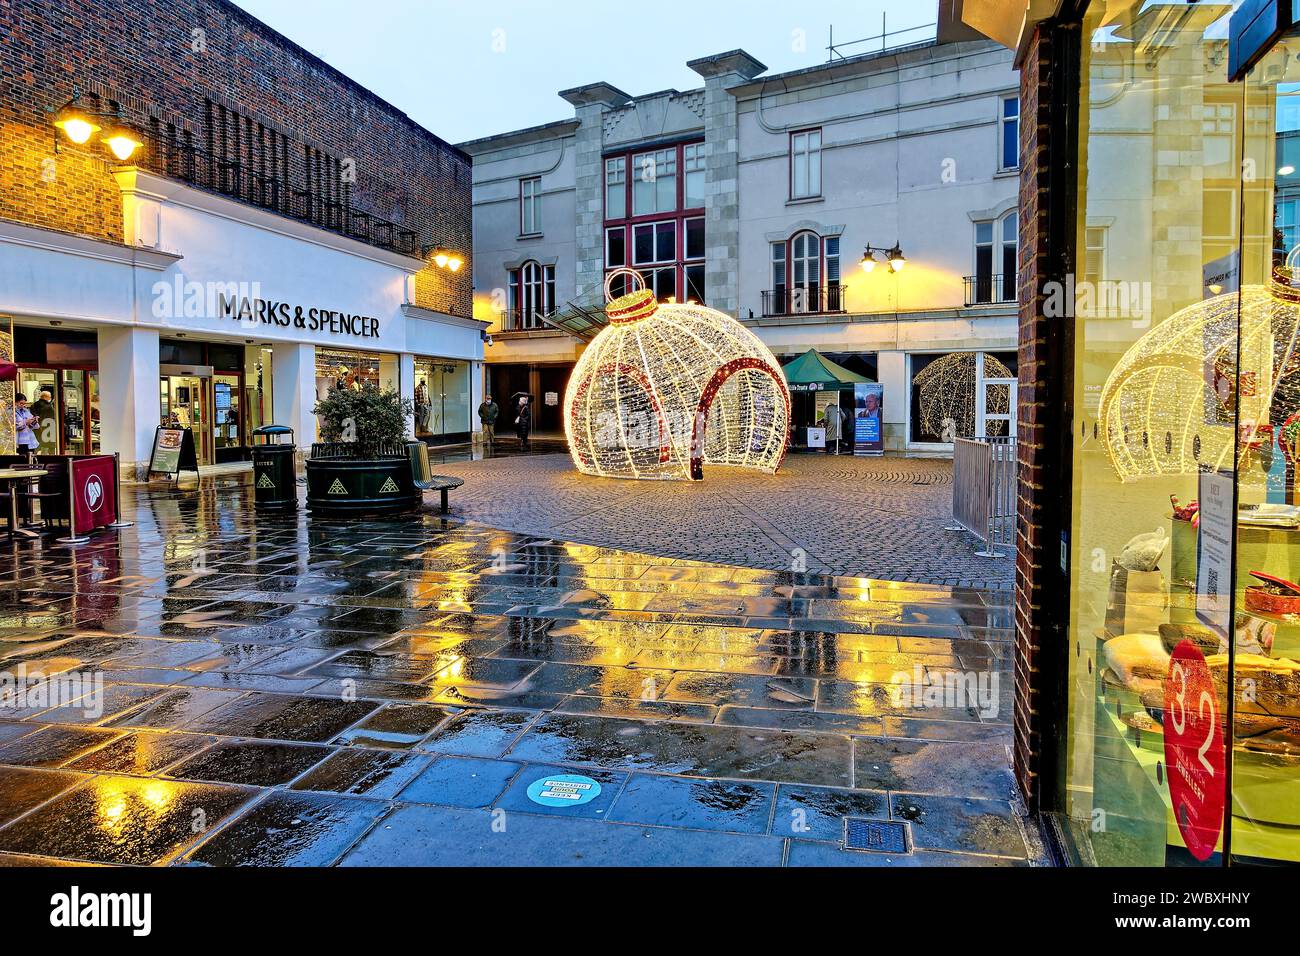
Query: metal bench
<point>422,473</point>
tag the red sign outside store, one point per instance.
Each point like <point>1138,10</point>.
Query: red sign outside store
<point>94,492</point>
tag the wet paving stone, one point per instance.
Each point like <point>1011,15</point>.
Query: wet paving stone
<point>436,836</point>
<point>407,662</point>
<point>251,763</point>
<point>466,782</point>
<point>516,799</point>
<point>22,790</point>
<point>953,769</point>
<point>697,804</point>
<point>397,726</point>
<point>290,829</point>
<point>817,813</point>
<point>809,853</point>
<point>479,733</point>
<point>112,819</point>
<point>373,773</point>
<point>961,824</point>
<point>175,709</point>
<point>142,753</point>
<point>696,750</point>
<point>282,717</point>
<point>54,746</point>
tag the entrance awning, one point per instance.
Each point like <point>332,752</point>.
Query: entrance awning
<point>814,372</point>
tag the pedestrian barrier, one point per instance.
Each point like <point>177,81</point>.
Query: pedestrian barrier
<point>984,474</point>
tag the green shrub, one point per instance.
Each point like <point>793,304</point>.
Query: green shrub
<point>368,416</point>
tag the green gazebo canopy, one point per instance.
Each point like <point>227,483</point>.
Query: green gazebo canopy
<point>814,372</point>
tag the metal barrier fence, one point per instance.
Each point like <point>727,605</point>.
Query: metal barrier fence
<point>984,474</point>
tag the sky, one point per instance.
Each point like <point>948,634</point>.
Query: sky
<point>477,67</point>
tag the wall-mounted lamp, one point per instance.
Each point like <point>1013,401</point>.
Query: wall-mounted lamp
<point>443,258</point>
<point>80,125</point>
<point>893,257</point>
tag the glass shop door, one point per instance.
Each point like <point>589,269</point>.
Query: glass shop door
<point>186,403</point>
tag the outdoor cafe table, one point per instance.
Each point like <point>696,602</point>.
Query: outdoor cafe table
<point>9,477</point>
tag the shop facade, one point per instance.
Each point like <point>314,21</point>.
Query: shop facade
<point>181,245</point>
<point>208,337</point>
<point>1158,636</point>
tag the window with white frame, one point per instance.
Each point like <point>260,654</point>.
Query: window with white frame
<point>693,256</point>
<point>996,248</point>
<point>654,188</point>
<point>531,296</point>
<point>1094,253</point>
<point>530,206</point>
<point>1009,133</point>
<point>654,255</point>
<point>806,164</point>
<point>693,163</point>
<point>616,187</point>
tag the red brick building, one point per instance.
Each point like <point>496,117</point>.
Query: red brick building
<point>247,143</point>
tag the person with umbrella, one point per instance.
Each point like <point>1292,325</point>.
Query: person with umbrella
<point>523,422</point>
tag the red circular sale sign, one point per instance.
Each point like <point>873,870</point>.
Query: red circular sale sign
<point>1194,751</point>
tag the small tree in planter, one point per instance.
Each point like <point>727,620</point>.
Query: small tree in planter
<point>361,467</point>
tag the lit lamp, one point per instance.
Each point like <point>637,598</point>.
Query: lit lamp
<point>120,141</point>
<point>441,257</point>
<point>893,257</point>
<point>76,124</point>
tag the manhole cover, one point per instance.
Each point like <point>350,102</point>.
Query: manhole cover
<point>875,836</point>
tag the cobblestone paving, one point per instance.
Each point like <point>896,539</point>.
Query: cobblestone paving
<point>293,691</point>
<point>870,517</point>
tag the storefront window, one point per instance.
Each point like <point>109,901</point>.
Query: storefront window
<point>341,368</point>
<point>442,400</point>
<point>1183,657</point>
<point>961,395</point>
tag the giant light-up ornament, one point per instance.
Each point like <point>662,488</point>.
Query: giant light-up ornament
<point>1171,403</point>
<point>665,389</point>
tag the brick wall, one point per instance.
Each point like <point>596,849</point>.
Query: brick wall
<point>175,84</point>
<point>1032,437</point>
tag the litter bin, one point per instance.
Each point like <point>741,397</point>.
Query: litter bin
<point>275,483</point>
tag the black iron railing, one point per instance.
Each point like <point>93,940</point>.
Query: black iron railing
<point>521,320</point>
<point>265,182</point>
<point>805,300</point>
<point>990,289</point>
<point>355,450</point>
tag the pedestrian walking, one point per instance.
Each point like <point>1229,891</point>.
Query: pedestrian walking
<point>523,423</point>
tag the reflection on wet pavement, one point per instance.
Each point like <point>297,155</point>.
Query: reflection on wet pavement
<point>211,688</point>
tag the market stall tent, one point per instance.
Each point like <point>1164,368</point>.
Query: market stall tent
<point>814,372</point>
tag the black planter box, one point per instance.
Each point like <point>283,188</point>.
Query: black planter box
<point>341,486</point>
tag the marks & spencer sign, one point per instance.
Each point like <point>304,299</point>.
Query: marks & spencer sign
<point>249,310</point>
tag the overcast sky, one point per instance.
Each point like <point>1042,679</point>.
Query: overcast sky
<point>472,68</point>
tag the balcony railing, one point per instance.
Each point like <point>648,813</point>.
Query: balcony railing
<point>805,300</point>
<point>990,289</point>
<point>521,320</point>
<point>328,208</point>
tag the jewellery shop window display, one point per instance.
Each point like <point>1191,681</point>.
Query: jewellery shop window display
<point>442,400</point>
<point>1182,736</point>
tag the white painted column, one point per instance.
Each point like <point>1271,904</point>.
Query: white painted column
<point>477,384</point>
<point>891,372</point>
<point>293,389</point>
<point>128,395</point>
<point>406,387</point>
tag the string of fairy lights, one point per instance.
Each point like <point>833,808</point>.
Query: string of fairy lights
<point>667,388</point>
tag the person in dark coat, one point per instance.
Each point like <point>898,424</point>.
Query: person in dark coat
<point>523,422</point>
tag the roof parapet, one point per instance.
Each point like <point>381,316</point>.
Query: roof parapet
<point>600,94</point>
<point>736,62</point>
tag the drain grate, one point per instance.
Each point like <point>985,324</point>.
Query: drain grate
<point>876,836</point>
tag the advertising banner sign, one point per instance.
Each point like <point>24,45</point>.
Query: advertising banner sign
<point>868,408</point>
<point>94,492</point>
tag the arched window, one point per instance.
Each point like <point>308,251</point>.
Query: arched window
<point>996,265</point>
<point>532,295</point>
<point>805,275</point>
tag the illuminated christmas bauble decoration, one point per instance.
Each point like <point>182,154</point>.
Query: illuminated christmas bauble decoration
<point>666,389</point>
<point>946,391</point>
<point>1178,400</point>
